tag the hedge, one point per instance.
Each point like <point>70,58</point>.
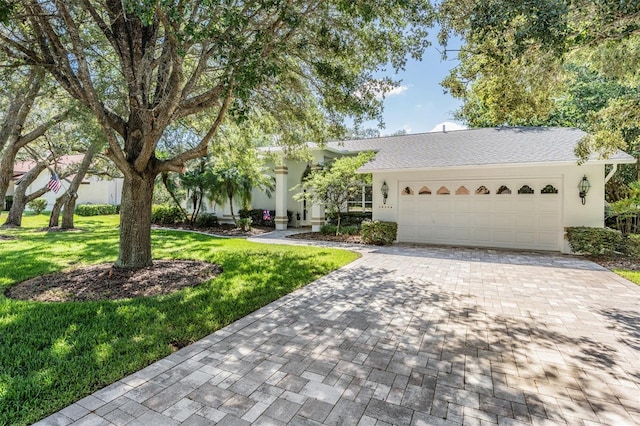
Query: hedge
<point>257,217</point>
<point>344,230</point>
<point>96,209</point>
<point>378,232</point>
<point>594,241</point>
<point>166,215</point>
<point>349,218</point>
<point>206,220</point>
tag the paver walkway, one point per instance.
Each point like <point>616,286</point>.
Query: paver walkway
<point>406,335</point>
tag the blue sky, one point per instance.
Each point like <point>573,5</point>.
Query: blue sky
<point>420,103</point>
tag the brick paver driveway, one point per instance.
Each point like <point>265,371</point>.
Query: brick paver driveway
<point>407,335</point>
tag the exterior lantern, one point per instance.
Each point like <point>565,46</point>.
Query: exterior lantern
<point>584,186</point>
<point>385,192</point>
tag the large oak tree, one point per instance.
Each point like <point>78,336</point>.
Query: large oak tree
<point>518,63</point>
<point>142,65</point>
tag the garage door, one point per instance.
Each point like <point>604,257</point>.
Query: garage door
<point>508,213</point>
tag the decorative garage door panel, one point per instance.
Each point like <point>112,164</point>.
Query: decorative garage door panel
<point>492,213</point>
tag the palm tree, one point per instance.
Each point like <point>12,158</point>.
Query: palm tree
<point>229,181</point>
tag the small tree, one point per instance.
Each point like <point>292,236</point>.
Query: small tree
<point>334,185</point>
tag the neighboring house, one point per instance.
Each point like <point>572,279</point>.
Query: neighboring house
<point>492,187</point>
<point>93,190</point>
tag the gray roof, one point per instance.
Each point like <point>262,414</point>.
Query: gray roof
<point>474,147</point>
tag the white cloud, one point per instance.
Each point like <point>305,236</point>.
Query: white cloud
<point>406,128</point>
<point>397,90</point>
<point>448,126</point>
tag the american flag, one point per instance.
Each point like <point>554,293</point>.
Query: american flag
<point>54,183</point>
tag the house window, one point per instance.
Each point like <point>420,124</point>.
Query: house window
<point>482,190</point>
<point>525,189</point>
<point>549,189</point>
<point>407,191</point>
<point>424,191</point>
<point>443,191</point>
<point>362,201</point>
<point>462,191</point>
<point>503,190</point>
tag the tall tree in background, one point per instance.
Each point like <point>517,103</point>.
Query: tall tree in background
<point>307,64</point>
<point>518,65</point>
<point>24,118</point>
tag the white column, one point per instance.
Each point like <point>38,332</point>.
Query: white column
<point>317,213</point>
<point>281,197</point>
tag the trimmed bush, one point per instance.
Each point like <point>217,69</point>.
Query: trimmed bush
<point>207,220</point>
<point>632,245</point>
<point>257,217</point>
<point>344,230</point>
<point>350,218</point>
<point>594,241</point>
<point>166,215</point>
<point>378,232</point>
<point>38,205</point>
<point>96,209</point>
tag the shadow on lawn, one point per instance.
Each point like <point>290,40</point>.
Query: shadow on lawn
<point>52,353</point>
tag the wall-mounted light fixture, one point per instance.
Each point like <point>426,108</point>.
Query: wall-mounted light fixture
<point>584,186</point>
<point>385,191</point>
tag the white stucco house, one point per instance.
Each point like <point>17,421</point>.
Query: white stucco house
<point>491,187</point>
<point>93,189</point>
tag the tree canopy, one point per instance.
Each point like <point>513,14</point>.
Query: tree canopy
<point>554,62</point>
<point>139,66</point>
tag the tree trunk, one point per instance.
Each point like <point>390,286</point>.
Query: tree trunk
<point>135,221</point>
<point>6,171</point>
<point>55,211</point>
<point>20,197</point>
<point>69,210</point>
<point>68,199</point>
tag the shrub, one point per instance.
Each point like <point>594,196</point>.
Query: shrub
<point>96,209</point>
<point>162,214</point>
<point>593,241</point>
<point>207,220</point>
<point>244,224</point>
<point>344,230</point>
<point>350,218</point>
<point>38,205</point>
<point>257,217</point>
<point>632,245</point>
<point>378,232</point>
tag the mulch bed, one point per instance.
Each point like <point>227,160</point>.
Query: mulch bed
<point>105,282</point>
<point>617,262</point>
<point>226,230</point>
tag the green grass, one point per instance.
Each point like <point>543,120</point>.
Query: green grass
<point>633,276</point>
<point>53,354</point>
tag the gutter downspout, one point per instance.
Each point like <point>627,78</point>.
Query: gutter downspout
<point>611,173</point>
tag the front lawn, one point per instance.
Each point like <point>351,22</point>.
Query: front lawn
<point>53,354</point>
<point>633,276</point>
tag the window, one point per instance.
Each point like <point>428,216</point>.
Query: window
<point>443,191</point>
<point>407,191</point>
<point>462,191</point>
<point>503,190</point>
<point>482,190</point>
<point>549,189</point>
<point>424,191</point>
<point>362,201</point>
<point>525,189</point>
